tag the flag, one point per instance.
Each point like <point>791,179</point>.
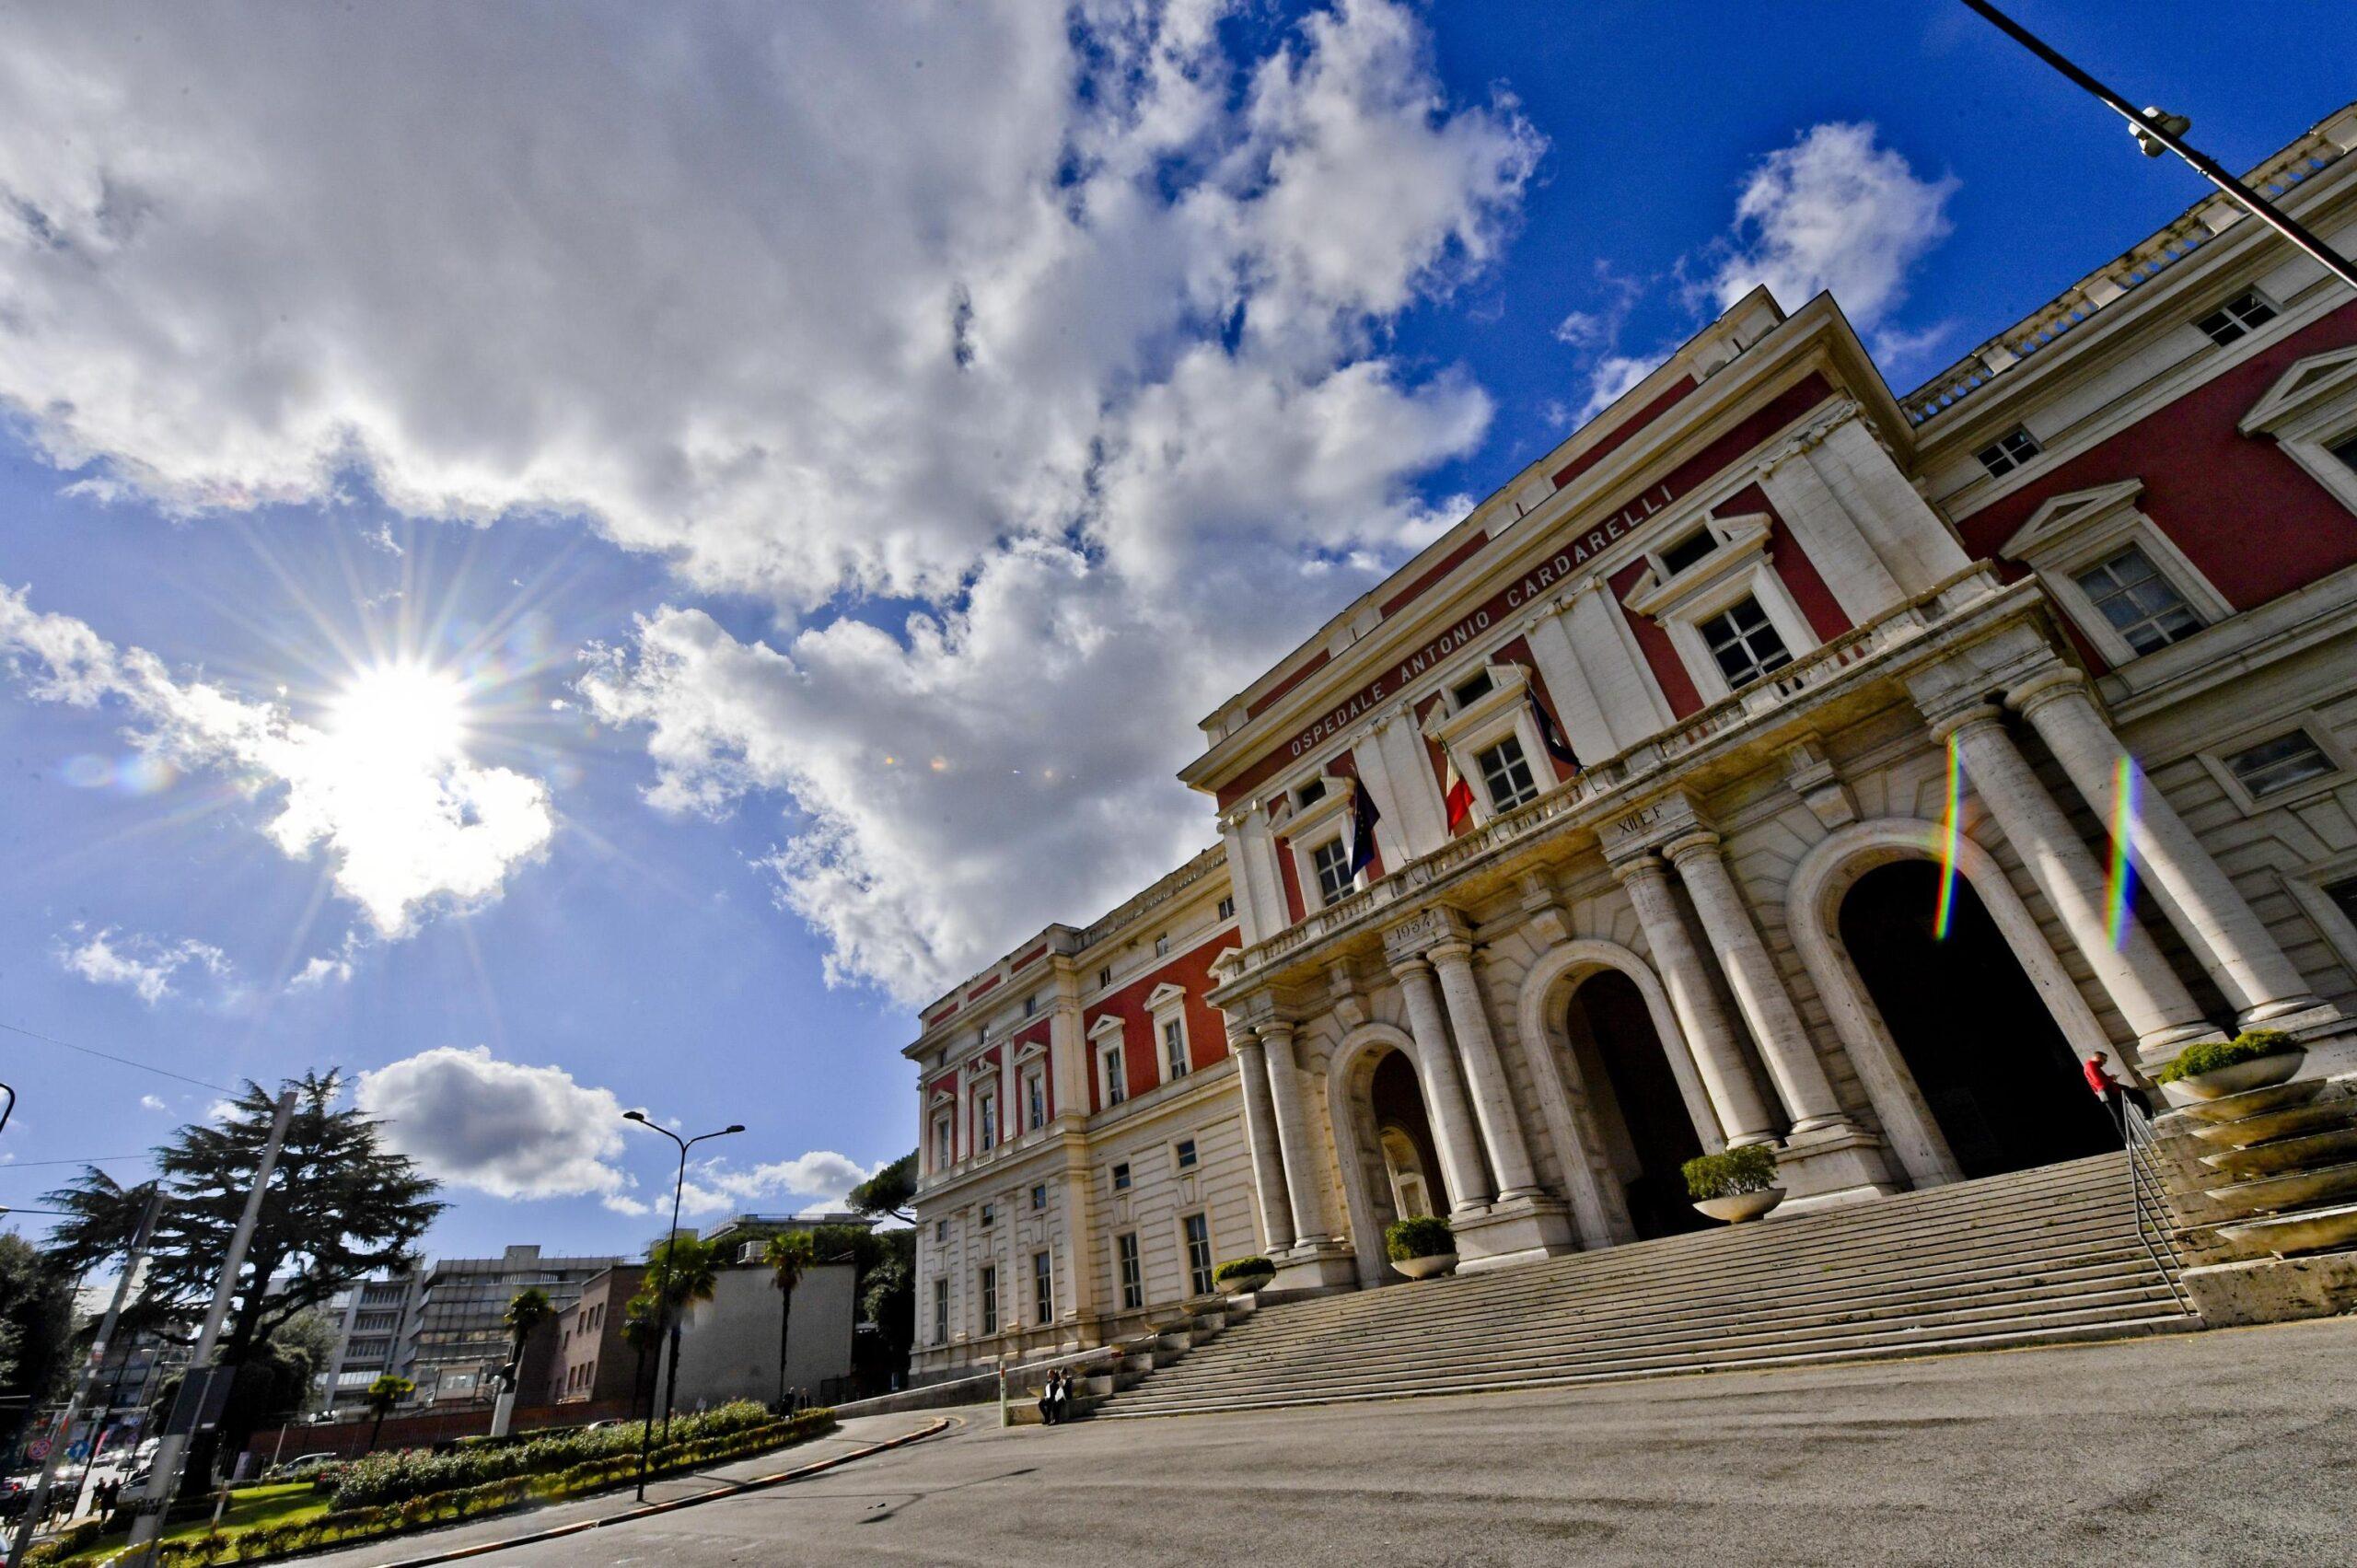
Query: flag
<point>1455,794</point>
<point>1363,817</point>
<point>1550,735</point>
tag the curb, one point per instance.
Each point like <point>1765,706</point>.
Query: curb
<point>727,1489</point>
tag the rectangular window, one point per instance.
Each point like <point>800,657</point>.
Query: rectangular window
<point>2273,766</point>
<point>2239,317</point>
<point>1184,1152</point>
<point>1744,644</point>
<point>2141,604</point>
<point>986,1120</point>
<point>1687,551</point>
<point>1122,1177</point>
<point>1034,1099</point>
<point>1117,1076</point>
<point>989,1215</point>
<point>1125,1250</point>
<point>1199,1254</point>
<point>1104,977</point>
<point>2344,898</point>
<point>2008,452</point>
<point>1226,909</point>
<point>1043,1288</point>
<point>941,1233</point>
<point>2345,450</point>
<point>988,1287</point>
<point>1310,794</point>
<point>1038,1196</point>
<point>941,1312</point>
<point>944,1152</point>
<point>1331,862</point>
<point>1505,772</point>
<point>1174,1049</point>
<point>1469,692</point>
<point>1162,945</point>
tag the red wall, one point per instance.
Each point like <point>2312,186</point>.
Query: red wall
<point>1206,1030</point>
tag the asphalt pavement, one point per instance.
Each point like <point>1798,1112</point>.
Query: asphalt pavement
<point>2237,1447</point>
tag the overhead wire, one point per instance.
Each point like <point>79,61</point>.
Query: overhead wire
<point>124,1061</point>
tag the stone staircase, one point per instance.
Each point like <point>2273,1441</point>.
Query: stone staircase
<point>2032,1258</point>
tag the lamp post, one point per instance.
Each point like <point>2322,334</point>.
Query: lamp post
<point>663,1295</point>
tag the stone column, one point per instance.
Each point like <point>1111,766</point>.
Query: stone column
<point>1260,1135</point>
<point>1758,990</point>
<point>1493,1093</point>
<point>1710,1033</point>
<point>2206,908</point>
<point>1081,1254</point>
<point>1460,1156</point>
<point>2147,992</point>
<point>1302,1184</point>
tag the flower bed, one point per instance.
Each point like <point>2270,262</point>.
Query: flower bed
<point>382,1479</point>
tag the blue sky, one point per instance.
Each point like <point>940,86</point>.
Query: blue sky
<point>631,380</point>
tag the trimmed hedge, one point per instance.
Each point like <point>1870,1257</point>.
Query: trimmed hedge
<point>2211,1056</point>
<point>1730,1172</point>
<point>1427,1236</point>
<point>1244,1269</point>
<point>65,1544</point>
<point>380,1479</point>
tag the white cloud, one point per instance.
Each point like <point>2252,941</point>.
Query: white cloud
<point>319,972</point>
<point>1834,211</point>
<point>1104,393</point>
<point>404,829</point>
<point>1613,376</point>
<point>822,1177</point>
<point>152,1102</point>
<point>502,1128</point>
<point>147,965</point>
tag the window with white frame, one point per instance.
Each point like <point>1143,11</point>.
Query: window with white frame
<point>1043,1287</point>
<point>1038,1196</point>
<point>2239,318</point>
<point>1330,861</point>
<point>1116,1075</point>
<point>1031,1005</point>
<point>1506,773</point>
<point>2008,452</point>
<point>1465,693</point>
<point>1104,977</point>
<point>1226,909</point>
<point>986,1291</point>
<point>941,1311</point>
<point>1689,551</point>
<point>941,1233</point>
<point>2279,764</point>
<point>1131,1272</point>
<point>1742,643</point>
<point>945,1132</point>
<point>2344,451</point>
<point>1174,1049</point>
<point>1162,945</point>
<point>1122,1176</point>
<point>986,1119</point>
<point>1183,1154</point>
<point>1198,1231</point>
<point>2123,581</point>
<point>1035,1097</point>
<point>2311,411</point>
<point>1109,1044</point>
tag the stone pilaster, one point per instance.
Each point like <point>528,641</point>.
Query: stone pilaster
<point>1710,1034</point>
<point>1260,1134</point>
<point>1493,1105</point>
<point>1452,1121</point>
<point>1303,1186</point>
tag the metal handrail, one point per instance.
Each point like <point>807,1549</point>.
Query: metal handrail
<point>2150,1195</point>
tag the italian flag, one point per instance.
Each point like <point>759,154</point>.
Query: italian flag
<point>1455,794</point>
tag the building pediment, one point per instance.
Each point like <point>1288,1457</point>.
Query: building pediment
<point>2065,515</point>
<point>2307,387</point>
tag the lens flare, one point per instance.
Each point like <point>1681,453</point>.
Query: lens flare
<point>1951,825</point>
<point>2119,885</point>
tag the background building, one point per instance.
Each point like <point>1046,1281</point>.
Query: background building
<point>729,1346</point>
<point>372,1320</point>
<point>456,1337</point>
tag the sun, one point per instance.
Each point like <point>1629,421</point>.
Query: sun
<point>404,713</point>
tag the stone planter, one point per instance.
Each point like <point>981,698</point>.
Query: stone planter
<point>1244,1284</point>
<point>2257,1074</point>
<point>1425,1268</point>
<point>1737,1207</point>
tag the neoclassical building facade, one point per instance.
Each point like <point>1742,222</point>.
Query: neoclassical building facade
<point>1759,767</point>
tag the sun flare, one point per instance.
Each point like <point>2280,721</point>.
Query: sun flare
<point>403,713</point>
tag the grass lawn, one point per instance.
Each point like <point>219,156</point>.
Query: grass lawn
<point>252,1506</point>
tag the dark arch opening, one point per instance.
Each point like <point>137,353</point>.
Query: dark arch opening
<point>1398,1099</point>
<point>1995,1068</point>
<point>1633,1096</point>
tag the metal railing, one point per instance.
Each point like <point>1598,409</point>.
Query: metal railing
<point>2155,1225</point>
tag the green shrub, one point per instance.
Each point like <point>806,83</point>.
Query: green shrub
<point>1244,1269</point>
<point>67,1543</point>
<point>2211,1056</point>
<point>1730,1172</point>
<point>393,1478</point>
<point>1428,1237</point>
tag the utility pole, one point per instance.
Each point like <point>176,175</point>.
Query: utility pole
<point>2156,131</point>
<point>166,1481</point>
<point>132,1259</point>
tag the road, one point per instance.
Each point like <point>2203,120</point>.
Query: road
<point>2236,1447</point>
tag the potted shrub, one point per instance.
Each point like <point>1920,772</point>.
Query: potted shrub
<point>2217,1068</point>
<point>1735,1185</point>
<point>1240,1274</point>
<point>1421,1247</point>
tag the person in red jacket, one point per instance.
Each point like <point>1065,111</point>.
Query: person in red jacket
<point>2110,1090</point>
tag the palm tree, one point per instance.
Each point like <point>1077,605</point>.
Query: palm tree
<point>640,1334</point>
<point>682,1271</point>
<point>789,1252</point>
<point>531,1308</point>
<point>383,1395</point>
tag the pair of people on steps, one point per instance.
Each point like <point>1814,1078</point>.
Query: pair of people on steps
<point>1055,1400</point>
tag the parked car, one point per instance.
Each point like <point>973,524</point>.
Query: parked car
<point>302,1467</point>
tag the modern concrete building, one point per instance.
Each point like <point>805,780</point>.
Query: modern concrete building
<point>370,1317</point>
<point>729,1346</point>
<point>456,1337</point>
<point>1757,767</point>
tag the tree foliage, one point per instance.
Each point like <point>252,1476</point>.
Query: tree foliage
<point>891,1192</point>
<point>36,1330</point>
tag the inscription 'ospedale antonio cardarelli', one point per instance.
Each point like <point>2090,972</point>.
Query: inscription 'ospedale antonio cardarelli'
<point>1530,588</point>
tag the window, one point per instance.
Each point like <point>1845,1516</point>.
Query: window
<point>1122,1177</point>
<point>1332,864</point>
<point>1043,1288</point>
<point>1125,1252</point>
<point>1104,977</point>
<point>1038,1196</point>
<point>1199,1255</point>
<point>944,1151</point>
<point>1034,1099</point>
<point>1162,945</point>
<point>1174,1049</point>
<point>941,1312</point>
<point>989,1215</point>
<point>1030,1004</point>
<point>1744,644</point>
<point>1506,773</point>
<point>986,1119</point>
<point>1310,794</point>
<point>988,1287</point>
<point>1117,1076</point>
<point>2239,317</point>
<point>1471,692</point>
<point>1226,909</point>
<point>2139,602</point>
<point>2273,766</point>
<point>1687,551</point>
<point>2343,895</point>
<point>2008,452</point>
<point>941,1233</point>
<point>1183,1153</point>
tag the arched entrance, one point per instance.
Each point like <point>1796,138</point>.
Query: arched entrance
<point>1997,1073</point>
<point>1634,1098</point>
<point>1404,1135</point>
<point>1384,1146</point>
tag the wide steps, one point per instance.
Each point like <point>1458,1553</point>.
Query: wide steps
<point>2033,1257</point>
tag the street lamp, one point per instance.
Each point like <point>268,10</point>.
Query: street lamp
<point>663,1296</point>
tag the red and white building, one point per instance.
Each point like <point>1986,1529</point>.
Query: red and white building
<point>1770,612</point>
